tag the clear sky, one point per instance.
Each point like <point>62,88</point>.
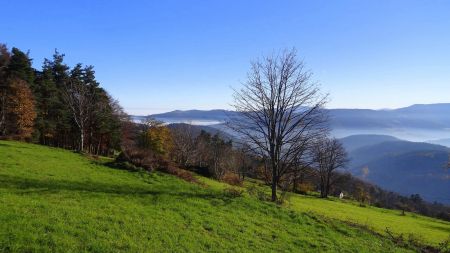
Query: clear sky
<point>156,56</point>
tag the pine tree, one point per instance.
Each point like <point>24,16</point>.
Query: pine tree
<point>47,102</point>
<point>20,66</point>
<point>5,57</point>
<point>64,125</point>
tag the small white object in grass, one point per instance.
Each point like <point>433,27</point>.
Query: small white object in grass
<point>341,196</point>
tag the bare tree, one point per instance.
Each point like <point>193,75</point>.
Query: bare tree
<point>243,161</point>
<point>184,144</point>
<point>280,112</point>
<point>78,95</point>
<point>330,155</point>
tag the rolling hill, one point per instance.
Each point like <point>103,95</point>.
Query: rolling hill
<point>401,166</point>
<point>56,200</point>
<point>353,142</point>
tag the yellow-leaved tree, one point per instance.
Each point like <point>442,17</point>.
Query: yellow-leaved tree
<point>157,137</point>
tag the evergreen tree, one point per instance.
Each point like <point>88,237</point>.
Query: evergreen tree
<point>47,102</point>
<point>20,66</point>
<point>5,57</point>
<point>64,124</point>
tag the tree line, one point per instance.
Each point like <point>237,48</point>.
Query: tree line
<point>56,105</point>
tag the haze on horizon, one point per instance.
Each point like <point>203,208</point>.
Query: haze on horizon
<point>159,57</point>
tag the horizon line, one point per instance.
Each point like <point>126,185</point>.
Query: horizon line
<point>330,108</point>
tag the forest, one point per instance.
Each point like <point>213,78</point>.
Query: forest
<point>59,106</point>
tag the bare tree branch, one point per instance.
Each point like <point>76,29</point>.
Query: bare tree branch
<point>280,113</point>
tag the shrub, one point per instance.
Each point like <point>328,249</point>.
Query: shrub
<point>444,246</point>
<point>284,198</point>
<point>258,192</point>
<point>233,192</point>
<point>304,188</point>
<point>232,178</point>
<point>183,174</point>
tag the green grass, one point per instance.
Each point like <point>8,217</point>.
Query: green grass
<point>55,200</point>
<point>428,231</point>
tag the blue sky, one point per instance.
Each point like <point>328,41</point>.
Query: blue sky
<point>156,56</point>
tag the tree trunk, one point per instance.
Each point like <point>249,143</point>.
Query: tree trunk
<point>274,190</point>
<point>3,112</point>
<point>81,140</point>
<point>327,186</point>
<point>274,182</point>
<point>322,188</point>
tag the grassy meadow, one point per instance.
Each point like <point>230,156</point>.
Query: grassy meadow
<point>59,201</point>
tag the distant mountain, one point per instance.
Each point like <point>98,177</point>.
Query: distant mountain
<point>434,116</point>
<point>415,123</point>
<point>196,129</point>
<point>216,115</point>
<point>415,116</point>
<point>357,141</point>
<point>195,117</point>
<point>401,166</point>
<point>443,142</point>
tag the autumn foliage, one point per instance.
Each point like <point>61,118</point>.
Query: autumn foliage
<point>21,109</point>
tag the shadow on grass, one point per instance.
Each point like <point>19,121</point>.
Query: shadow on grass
<point>30,186</point>
<point>119,166</point>
<point>444,229</point>
<point>21,146</point>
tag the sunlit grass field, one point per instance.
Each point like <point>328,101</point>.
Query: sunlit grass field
<point>59,201</point>
<point>427,230</point>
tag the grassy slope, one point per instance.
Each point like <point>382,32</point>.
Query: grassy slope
<point>427,230</point>
<point>51,199</point>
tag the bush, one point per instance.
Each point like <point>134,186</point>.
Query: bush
<point>258,192</point>
<point>233,192</point>
<point>183,174</point>
<point>148,161</point>
<point>231,178</point>
<point>304,188</point>
<point>284,198</point>
<point>139,157</point>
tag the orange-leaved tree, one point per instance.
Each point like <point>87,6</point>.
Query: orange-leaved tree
<point>21,109</point>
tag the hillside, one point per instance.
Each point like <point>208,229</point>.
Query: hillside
<point>56,200</point>
<point>401,166</point>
